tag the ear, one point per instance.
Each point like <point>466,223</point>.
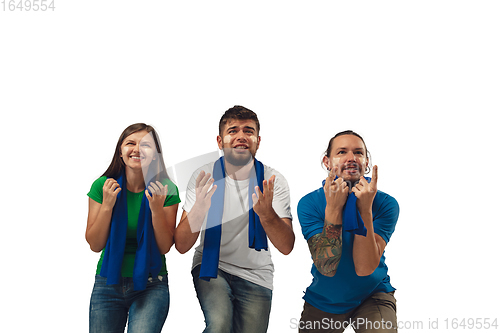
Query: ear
<point>258,142</point>
<point>326,162</point>
<point>219,142</point>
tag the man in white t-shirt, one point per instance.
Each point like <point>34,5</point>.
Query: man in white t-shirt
<point>237,296</point>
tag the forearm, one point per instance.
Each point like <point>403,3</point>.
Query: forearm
<point>98,231</point>
<point>188,230</point>
<point>164,235</point>
<point>326,247</point>
<point>279,232</point>
<point>366,251</point>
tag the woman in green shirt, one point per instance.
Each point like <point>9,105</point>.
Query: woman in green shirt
<point>132,225</point>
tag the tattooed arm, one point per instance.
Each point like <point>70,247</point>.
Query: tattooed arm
<point>326,247</point>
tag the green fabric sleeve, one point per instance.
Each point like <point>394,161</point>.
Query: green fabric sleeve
<point>95,192</point>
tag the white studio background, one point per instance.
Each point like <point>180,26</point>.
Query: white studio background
<point>418,79</point>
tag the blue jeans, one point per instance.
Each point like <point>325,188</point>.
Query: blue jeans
<point>232,304</point>
<point>110,305</point>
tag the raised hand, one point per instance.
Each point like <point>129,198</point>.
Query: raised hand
<point>365,192</point>
<point>203,191</point>
<point>158,195</point>
<point>263,201</point>
<point>110,190</point>
<point>336,191</point>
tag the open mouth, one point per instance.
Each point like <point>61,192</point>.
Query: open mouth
<point>136,158</point>
<point>240,147</point>
<point>351,168</point>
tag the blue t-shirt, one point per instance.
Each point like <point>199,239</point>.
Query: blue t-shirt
<point>346,290</point>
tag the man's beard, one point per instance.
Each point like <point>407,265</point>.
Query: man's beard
<point>237,159</point>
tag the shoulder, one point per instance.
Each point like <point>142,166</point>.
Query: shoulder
<point>281,188</point>
<point>383,203</point>
<point>172,193</point>
<point>191,184</point>
<point>100,181</point>
<point>385,215</point>
<point>311,212</point>
<point>272,171</point>
<point>207,168</point>
<point>312,200</point>
<point>168,182</point>
<point>95,192</point>
<point>280,179</point>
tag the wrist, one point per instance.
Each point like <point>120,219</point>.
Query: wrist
<point>199,209</point>
<point>365,210</point>
<point>267,216</point>
<point>333,215</point>
<point>156,211</point>
<point>331,210</point>
<point>107,207</point>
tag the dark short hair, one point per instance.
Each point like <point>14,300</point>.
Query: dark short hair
<point>348,132</point>
<point>238,112</point>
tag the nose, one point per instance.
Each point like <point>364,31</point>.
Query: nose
<point>240,136</point>
<point>350,156</point>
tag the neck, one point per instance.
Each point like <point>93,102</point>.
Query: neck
<point>135,180</point>
<point>237,172</point>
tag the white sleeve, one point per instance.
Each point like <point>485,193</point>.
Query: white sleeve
<point>281,198</point>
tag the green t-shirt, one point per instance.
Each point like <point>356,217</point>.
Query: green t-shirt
<point>133,206</point>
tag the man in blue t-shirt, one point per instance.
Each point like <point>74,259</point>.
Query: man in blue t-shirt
<point>347,224</point>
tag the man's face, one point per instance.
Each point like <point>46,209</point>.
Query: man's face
<point>240,141</point>
<point>349,155</point>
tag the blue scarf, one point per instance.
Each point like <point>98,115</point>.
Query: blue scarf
<point>257,238</point>
<point>351,218</point>
<point>147,257</point>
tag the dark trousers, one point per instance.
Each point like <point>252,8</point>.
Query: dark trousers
<point>376,314</point>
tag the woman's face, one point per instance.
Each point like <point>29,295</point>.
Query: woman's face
<point>138,150</point>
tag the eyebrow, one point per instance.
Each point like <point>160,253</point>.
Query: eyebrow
<point>245,127</point>
<point>141,141</point>
<point>355,149</point>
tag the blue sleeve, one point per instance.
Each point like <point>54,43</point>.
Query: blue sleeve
<point>385,215</point>
<point>311,213</point>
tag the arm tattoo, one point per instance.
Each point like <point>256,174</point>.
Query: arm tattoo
<point>326,248</point>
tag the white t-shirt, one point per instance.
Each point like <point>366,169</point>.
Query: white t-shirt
<point>236,257</point>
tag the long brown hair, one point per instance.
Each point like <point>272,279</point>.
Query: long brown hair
<point>156,171</point>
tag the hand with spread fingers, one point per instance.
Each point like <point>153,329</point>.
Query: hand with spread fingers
<point>157,196</point>
<point>203,191</point>
<point>336,191</point>
<point>263,201</point>
<point>365,192</point>
<point>190,225</point>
